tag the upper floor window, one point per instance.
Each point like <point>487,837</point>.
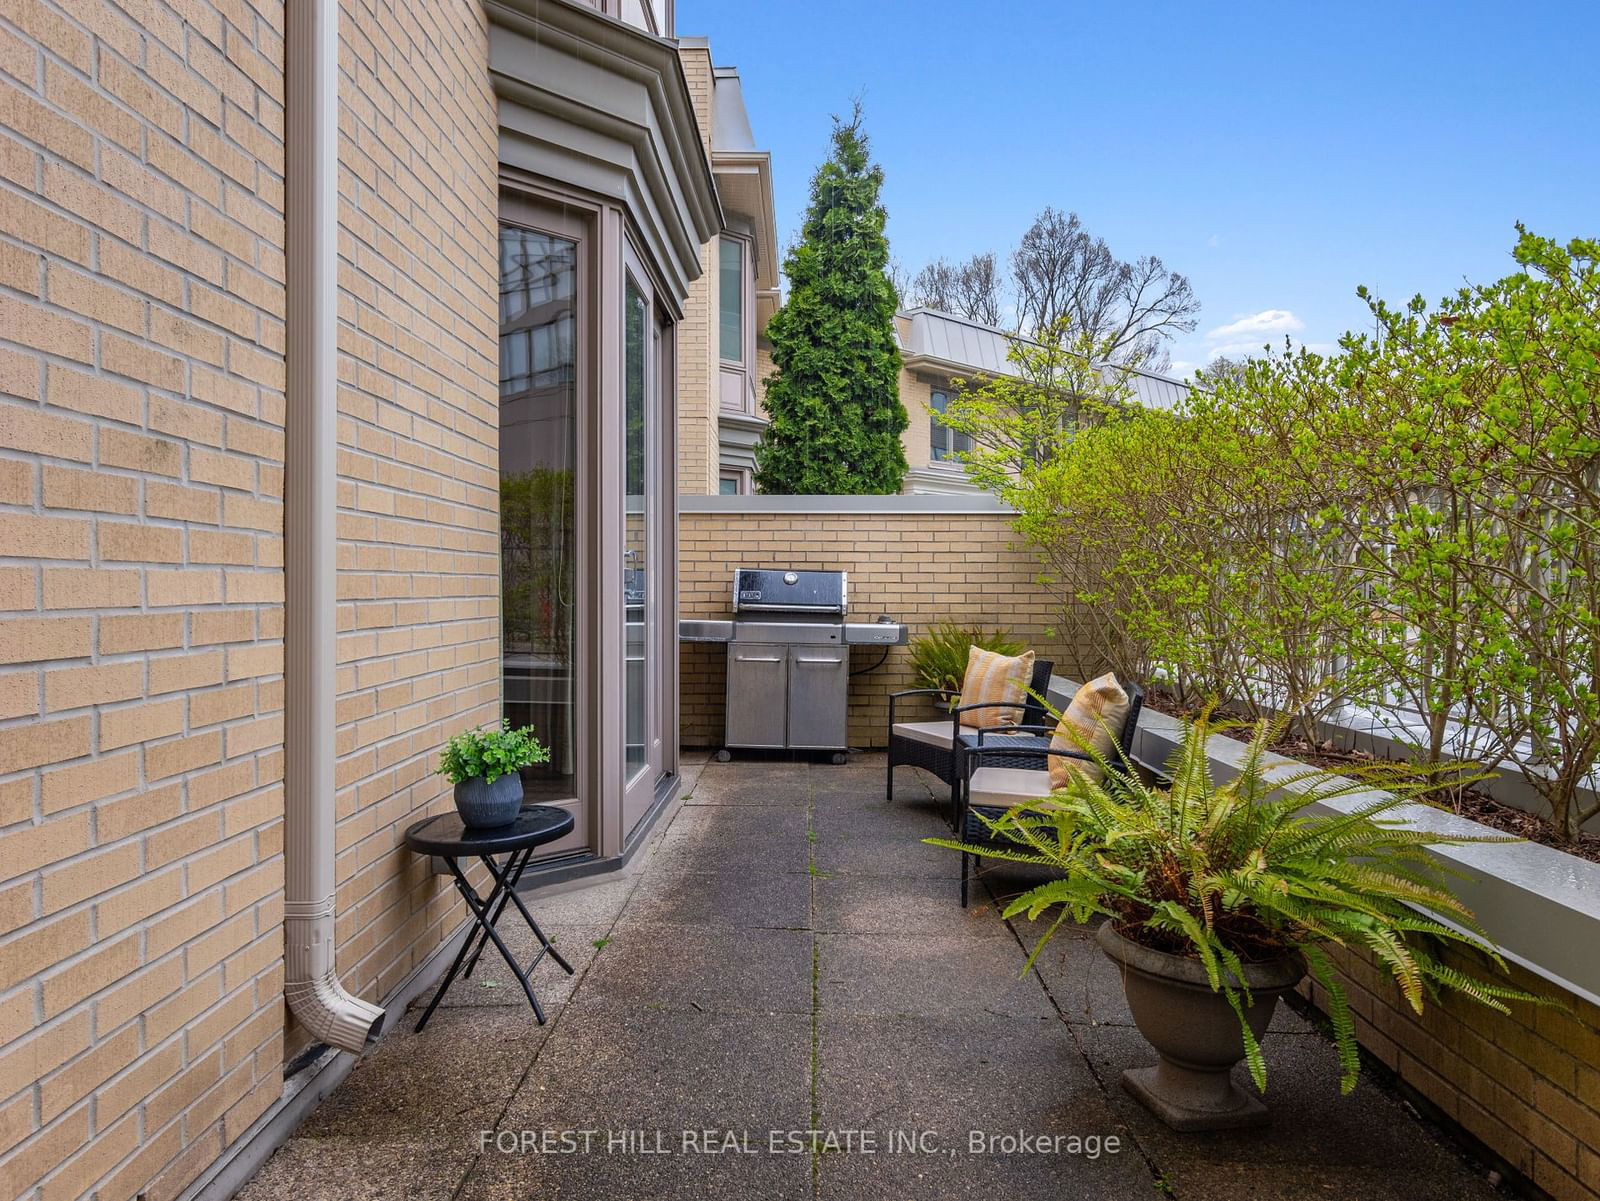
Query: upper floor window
<point>944,443</point>
<point>730,299</point>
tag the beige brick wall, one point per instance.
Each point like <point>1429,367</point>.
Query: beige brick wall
<point>141,696</point>
<point>141,473</point>
<point>921,568</point>
<point>1526,1084</point>
<point>698,383</point>
<point>914,392</point>
<point>419,562</point>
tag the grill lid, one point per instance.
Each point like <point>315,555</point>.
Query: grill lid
<point>775,590</point>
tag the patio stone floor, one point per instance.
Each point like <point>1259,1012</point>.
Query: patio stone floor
<point>786,955</point>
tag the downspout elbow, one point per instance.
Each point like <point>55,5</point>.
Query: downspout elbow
<point>311,986</point>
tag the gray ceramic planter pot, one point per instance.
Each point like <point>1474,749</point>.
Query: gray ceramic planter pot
<point>483,805</point>
<point>1196,1033</point>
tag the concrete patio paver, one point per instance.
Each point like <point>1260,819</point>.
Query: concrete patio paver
<point>786,955</point>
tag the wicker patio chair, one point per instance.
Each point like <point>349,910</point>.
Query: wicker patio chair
<point>990,785</point>
<point>936,746</point>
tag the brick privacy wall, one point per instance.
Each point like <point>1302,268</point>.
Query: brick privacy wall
<point>921,568</point>
<point>419,564</point>
<point>699,397</point>
<point>141,695</point>
<point>1526,1084</point>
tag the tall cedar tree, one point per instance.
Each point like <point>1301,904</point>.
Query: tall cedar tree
<point>834,400</point>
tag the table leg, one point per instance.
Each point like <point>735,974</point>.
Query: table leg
<point>528,917</point>
<point>461,955</point>
<point>515,865</point>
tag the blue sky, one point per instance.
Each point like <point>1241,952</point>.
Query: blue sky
<point>1278,155</point>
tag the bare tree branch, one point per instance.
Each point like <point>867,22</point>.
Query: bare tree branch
<point>1063,272</point>
<point>971,289</point>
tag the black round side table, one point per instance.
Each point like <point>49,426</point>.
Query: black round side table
<point>447,838</point>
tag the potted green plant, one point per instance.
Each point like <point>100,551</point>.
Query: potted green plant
<point>1221,895</point>
<point>939,657</point>
<point>485,766</point>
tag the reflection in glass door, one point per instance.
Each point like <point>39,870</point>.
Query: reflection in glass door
<point>538,457</point>
<point>637,585</point>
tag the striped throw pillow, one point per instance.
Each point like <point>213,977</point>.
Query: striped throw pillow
<point>998,681</point>
<point>1095,718</point>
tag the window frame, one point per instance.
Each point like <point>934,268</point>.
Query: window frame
<point>742,245</point>
<point>944,458</point>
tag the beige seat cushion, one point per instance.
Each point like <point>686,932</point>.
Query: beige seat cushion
<point>1003,787</point>
<point>934,733</point>
<point>999,682</point>
<point>1095,716</point>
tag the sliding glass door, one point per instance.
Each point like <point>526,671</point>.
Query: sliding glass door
<point>539,567</point>
<point>643,595</point>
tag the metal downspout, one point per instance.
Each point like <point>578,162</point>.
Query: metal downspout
<point>311,988</point>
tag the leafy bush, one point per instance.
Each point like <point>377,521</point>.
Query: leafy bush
<point>1413,521</point>
<point>490,754</point>
<point>939,657</point>
<point>1234,873</point>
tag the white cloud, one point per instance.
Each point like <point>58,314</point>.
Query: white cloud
<point>1214,241</point>
<point>1267,321</point>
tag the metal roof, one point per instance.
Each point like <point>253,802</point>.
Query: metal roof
<point>951,343</point>
<point>957,341</point>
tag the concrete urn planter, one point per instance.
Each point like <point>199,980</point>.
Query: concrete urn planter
<point>483,805</point>
<point>1195,1032</point>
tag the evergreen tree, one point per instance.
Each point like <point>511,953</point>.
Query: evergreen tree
<point>834,400</point>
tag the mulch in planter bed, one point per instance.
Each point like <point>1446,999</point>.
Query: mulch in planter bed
<point>1469,803</point>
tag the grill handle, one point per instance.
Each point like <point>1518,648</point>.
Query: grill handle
<point>764,659</point>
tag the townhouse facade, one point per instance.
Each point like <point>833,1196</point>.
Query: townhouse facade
<point>342,349</point>
<point>938,353</point>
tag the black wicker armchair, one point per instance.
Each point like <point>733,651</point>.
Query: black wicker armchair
<point>936,746</point>
<point>990,785</point>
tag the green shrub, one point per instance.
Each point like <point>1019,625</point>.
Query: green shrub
<point>939,657</point>
<point>1234,872</point>
<point>1412,521</point>
<point>490,754</point>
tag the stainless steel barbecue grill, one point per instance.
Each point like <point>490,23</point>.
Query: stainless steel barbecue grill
<point>789,658</point>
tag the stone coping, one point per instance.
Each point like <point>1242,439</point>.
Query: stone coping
<point>912,505</point>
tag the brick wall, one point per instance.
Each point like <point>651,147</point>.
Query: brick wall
<point>920,567</point>
<point>915,438</point>
<point>699,399</point>
<point>141,470</point>
<point>1526,1084</point>
<point>141,445</point>
<point>419,562</point>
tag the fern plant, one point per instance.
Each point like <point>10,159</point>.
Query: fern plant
<point>939,657</point>
<point>1235,872</point>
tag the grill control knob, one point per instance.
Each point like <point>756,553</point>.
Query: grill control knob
<point>790,577</point>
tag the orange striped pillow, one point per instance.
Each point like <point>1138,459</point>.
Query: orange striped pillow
<point>996,680</point>
<point>1094,717</point>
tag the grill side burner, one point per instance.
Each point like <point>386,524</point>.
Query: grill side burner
<point>789,659</point>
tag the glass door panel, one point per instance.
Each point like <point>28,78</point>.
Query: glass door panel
<point>638,519</point>
<point>538,530</point>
